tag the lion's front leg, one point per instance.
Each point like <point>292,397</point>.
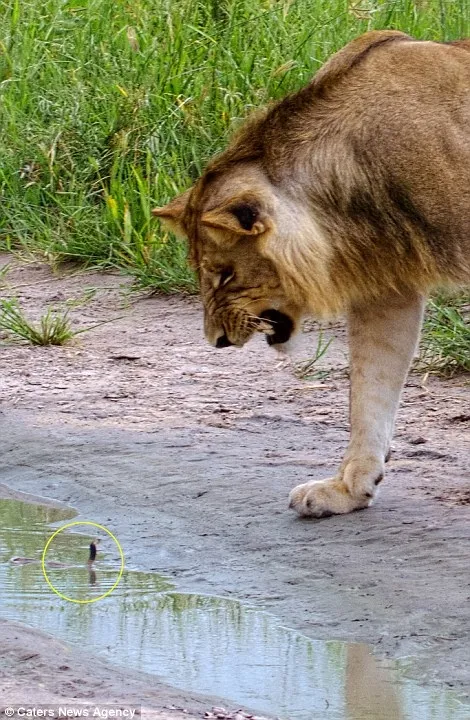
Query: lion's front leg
<point>382,341</point>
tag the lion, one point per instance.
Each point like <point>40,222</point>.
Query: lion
<point>349,197</point>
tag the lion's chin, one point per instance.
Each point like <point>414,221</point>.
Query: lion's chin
<point>281,326</point>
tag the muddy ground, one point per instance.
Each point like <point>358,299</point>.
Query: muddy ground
<point>188,454</point>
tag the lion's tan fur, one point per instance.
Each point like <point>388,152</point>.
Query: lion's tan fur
<point>350,196</point>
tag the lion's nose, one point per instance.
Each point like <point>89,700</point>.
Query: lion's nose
<point>222,342</point>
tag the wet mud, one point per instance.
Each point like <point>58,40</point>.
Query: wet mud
<point>209,645</point>
<point>188,456</point>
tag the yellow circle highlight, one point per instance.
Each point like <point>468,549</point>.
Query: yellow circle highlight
<point>65,527</point>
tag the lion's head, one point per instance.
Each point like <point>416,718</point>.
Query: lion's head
<point>232,217</point>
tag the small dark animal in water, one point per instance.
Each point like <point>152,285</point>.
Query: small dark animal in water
<point>93,551</point>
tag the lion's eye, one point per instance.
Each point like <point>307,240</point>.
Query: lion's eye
<point>226,276</point>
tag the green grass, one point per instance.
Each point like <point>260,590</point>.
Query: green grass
<point>445,344</point>
<point>54,327</point>
<point>109,108</point>
<point>309,370</point>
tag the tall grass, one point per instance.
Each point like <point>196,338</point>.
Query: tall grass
<point>445,344</point>
<point>109,107</point>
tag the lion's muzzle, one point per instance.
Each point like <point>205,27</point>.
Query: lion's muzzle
<point>275,325</point>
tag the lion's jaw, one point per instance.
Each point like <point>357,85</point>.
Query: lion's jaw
<point>242,284</point>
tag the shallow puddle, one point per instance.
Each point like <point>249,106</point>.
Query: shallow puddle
<point>209,645</point>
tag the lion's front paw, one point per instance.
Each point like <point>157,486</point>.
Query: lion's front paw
<point>319,498</point>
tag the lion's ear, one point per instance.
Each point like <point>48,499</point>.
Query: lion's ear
<point>243,218</point>
<point>172,214</point>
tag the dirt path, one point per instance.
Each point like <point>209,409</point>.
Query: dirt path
<point>189,455</point>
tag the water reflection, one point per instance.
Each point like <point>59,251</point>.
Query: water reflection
<point>205,644</point>
<point>369,690</point>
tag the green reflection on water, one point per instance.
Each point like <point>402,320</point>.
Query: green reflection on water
<point>210,645</point>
